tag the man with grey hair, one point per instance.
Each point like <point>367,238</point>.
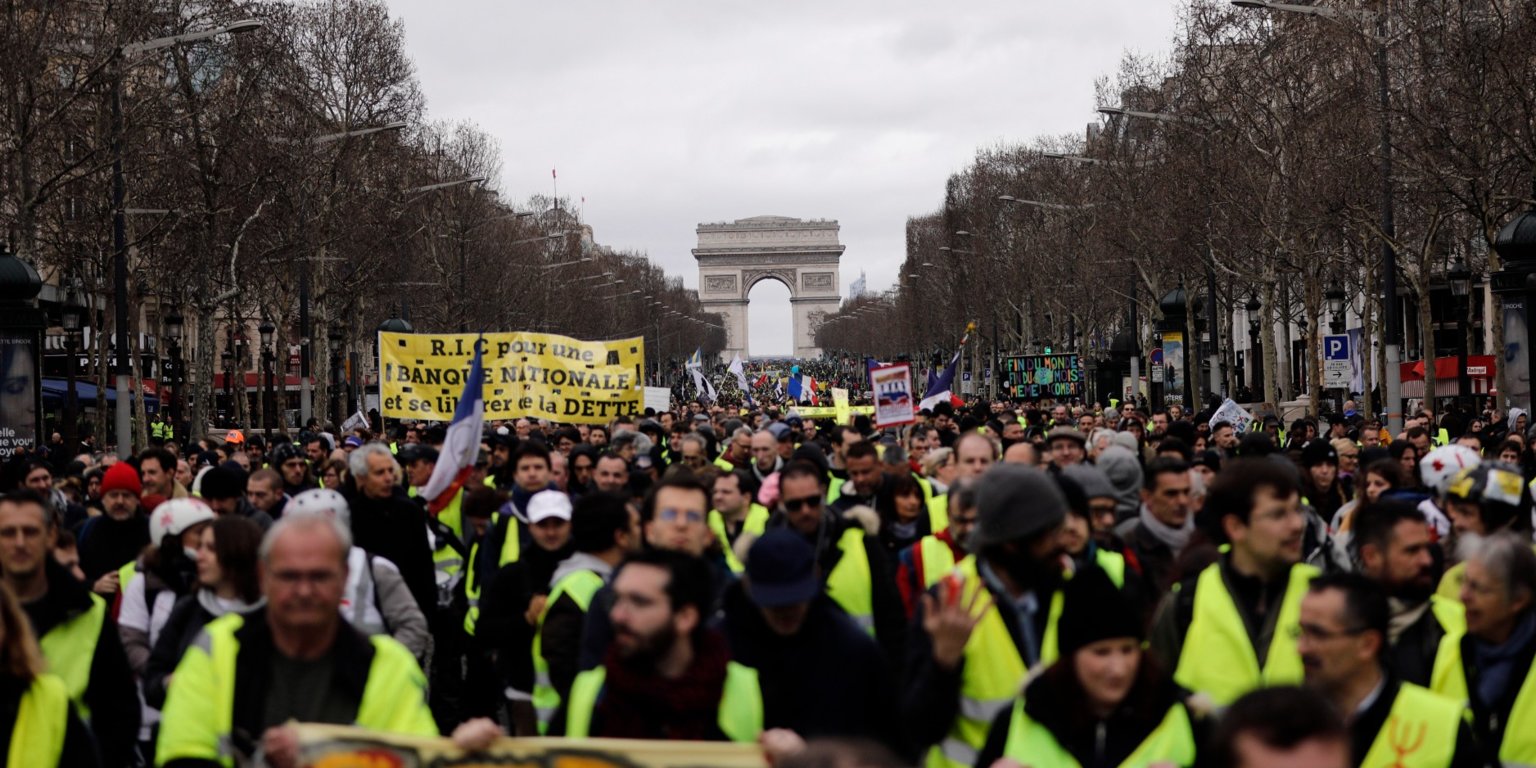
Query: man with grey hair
<point>386,522</point>
<point>301,662</point>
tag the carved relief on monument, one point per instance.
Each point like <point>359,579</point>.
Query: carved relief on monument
<point>810,280</point>
<point>719,283</point>
<point>814,319</point>
<point>749,277</point>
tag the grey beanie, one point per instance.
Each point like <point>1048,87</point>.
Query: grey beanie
<point>1127,441</point>
<point>1015,502</point>
<point>1123,470</point>
<point>1092,480</point>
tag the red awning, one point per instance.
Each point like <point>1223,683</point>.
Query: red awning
<point>1478,367</point>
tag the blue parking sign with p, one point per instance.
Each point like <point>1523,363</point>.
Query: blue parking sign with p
<point>1336,347</point>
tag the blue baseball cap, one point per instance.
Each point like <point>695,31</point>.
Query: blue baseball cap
<point>781,570</point>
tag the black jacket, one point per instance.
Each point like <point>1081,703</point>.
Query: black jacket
<point>395,528</point>
<point>107,544</point>
<point>503,625</point>
<point>828,680</point>
<point>111,694</point>
<point>353,656</point>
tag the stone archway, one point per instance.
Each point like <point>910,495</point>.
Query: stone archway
<point>804,255</point>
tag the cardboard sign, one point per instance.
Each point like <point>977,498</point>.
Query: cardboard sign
<point>658,399</point>
<point>893,395</point>
<point>1041,377</point>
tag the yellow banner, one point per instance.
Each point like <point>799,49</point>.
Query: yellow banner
<point>328,746</point>
<point>823,412</point>
<point>537,375</point>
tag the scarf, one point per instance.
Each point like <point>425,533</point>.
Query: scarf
<point>1175,538</point>
<point>1404,615</point>
<point>639,704</point>
<point>1496,663</point>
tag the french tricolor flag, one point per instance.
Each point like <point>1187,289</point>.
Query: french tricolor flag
<point>462,444</point>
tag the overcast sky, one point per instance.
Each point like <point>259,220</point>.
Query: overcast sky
<point>665,113</point>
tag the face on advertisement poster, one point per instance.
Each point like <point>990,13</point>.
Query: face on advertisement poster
<point>18,394</point>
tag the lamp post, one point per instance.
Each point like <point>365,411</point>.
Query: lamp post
<point>71,319</point>
<point>174,325</point>
<point>1335,298</point>
<point>1460,278</point>
<point>267,331</point>
<point>124,367</point>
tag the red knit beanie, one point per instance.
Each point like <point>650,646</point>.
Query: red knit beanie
<point>122,477</point>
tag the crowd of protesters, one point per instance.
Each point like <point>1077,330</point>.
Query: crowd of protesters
<point>996,584</point>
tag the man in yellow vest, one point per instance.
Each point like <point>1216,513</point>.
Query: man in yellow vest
<point>979,632</point>
<point>603,529</point>
<point>1232,628</point>
<point>853,563</point>
<point>1392,547</point>
<point>78,637</point>
<point>933,557</point>
<point>665,674</point>
<point>1344,625</point>
<point>735,511</point>
<point>248,676</point>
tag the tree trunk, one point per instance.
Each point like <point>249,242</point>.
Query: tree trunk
<point>1427,346</point>
<point>1270,340</point>
<point>201,408</point>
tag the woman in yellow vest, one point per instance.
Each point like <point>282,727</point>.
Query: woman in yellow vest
<point>1104,702</point>
<point>1497,676</point>
<point>44,730</point>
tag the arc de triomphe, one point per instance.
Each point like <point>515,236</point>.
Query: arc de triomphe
<point>802,255</point>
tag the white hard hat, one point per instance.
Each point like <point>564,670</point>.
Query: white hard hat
<point>1439,466</point>
<point>321,500</point>
<point>174,517</point>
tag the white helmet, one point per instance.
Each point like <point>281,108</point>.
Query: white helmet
<point>321,500</point>
<point>173,517</point>
<point>1440,466</point>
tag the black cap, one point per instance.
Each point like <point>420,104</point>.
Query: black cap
<point>1319,451</point>
<point>416,452</point>
<point>226,481</point>
<point>781,570</point>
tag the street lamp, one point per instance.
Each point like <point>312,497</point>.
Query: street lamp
<point>123,412</point>
<point>336,336</point>
<point>174,325</point>
<point>1335,298</point>
<point>1460,278</point>
<point>71,319</point>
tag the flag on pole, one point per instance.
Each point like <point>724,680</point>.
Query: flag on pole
<point>796,387</point>
<point>941,385</point>
<point>741,378</point>
<point>696,369</point>
<point>462,444</point>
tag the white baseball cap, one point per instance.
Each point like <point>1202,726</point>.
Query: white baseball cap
<point>547,504</point>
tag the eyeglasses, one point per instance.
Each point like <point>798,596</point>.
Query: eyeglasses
<point>673,515</point>
<point>1318,634</point>
<point>809,502</point>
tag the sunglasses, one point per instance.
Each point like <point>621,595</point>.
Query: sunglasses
<point>809,502</point>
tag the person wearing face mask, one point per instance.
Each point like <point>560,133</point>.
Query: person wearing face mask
<point>978,633</point>
<point>1101,703</point>
<point>166,571</point>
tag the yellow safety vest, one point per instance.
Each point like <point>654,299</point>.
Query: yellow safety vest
<point>850,584</point>
<point>1420,731</point>
<point>1172,742</point>
<point>511,549</point>
<point>1218,658</point>
<point>70,647</point>
<point>445,559</point>
<point>741,703</point>
<point>834,488</point>
<point>580,586</point>
<point>938,512</point>
<point>938,559</point>
<point>1113,565</point>
<point>755,524</point>
<point>725,464</point>
<point>990,676</point>
<point>1450,681</point>
<point>198,717</point>
<point>42,720</point>
<point>1446,676</point>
